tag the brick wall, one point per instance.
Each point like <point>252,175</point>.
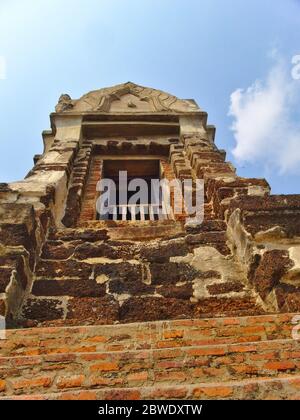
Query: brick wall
<point>88,210</point>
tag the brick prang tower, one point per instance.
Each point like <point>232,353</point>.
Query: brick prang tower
<point>223,293</point>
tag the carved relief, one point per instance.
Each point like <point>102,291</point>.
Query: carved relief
<point>127,97</point>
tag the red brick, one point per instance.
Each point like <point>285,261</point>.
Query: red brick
<point>248,338</point>
<point>115,347</point>
<point>26,361</point>
<point>184,323</point>
<point>280,365</point>
<point>105,367</point>
<point>70,382</point>
<point>245,369</point>
<point>254,329</point>
<point>94,356</point>
<point>226,360</point>
<point>169,393</point>
<point>122,395</point>
<point>295,383</point>
<point>261,319</point>
<point>105,382</point>
<point>173,334</point>
<point>168,344</point>
<point>291,355</point>
<point>200,333</point>
<point>138,377</point>
<point>96,339</point>
<point>32,397</point>
<point>171,376</point>
<point>263,356</point>
<point>231,321</point>
<point>43,382</point>
<point>61,358</point>
<point>207,351</point>
<point>216,372</point>
<point>243,349</point>
<point>167,354</point>
<point>213,392</point>
<point>56,366</point>
<point>35,352</point>
<point>170,364</point>
<point>197,373</point>
<point>2,385</point>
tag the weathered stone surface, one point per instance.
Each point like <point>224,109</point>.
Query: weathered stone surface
<point>216,239</point>
<point>76,288</point>
<point>272,266</point>
<point>2,307</point>
<point>170,273</point>
<point>68,268</point>
<point>132,286</point>
<point>5,275</point>
<point>4,187</point>
<point>162,252</point>
<point>131,97</point>
<point>225,306</point>
<point>17,227</point>
<point>57,250</point>
<point>222,288</point>
<point>184,291</point>
<point>216,186</point>
<point>123,270</point>
<point>43,309</point>
<point>73,207</point>
<point>100,310</point>
<point>124,278</point>
<point>207,226</point>
<point>145,309</point>
<point>15,235</point>
<point>12,266</point>
<point>97,250</point>
<point>288,298</point>
<point>263,213</point>
<point>88,235</point>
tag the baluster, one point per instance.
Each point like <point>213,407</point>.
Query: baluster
<point>124,213</point>
<point>133,214</point>
<point>142,212</point>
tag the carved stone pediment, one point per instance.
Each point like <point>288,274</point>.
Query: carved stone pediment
<point>124,98</point>
<point>65,103</point>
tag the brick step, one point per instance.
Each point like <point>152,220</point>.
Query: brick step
<point>212,224</point>
<point>80,249</point>
<point>82,310</point>
<point>148,368</point>
<point>149,335</point>
<point>287,388</point>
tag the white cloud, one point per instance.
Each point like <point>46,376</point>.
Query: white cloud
<point>266,122</point>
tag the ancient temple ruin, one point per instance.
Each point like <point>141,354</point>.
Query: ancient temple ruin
<point>222,293</point>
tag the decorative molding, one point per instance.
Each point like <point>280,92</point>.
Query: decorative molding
<point>102,100</point>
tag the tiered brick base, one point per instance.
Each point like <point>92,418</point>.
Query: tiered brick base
<point>225,358</point>
<point>87,277</point>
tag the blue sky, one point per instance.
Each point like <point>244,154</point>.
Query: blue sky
<point>229,55</point>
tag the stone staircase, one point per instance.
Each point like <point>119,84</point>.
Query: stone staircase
<point>87,277</point>
<point>251,357</point>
